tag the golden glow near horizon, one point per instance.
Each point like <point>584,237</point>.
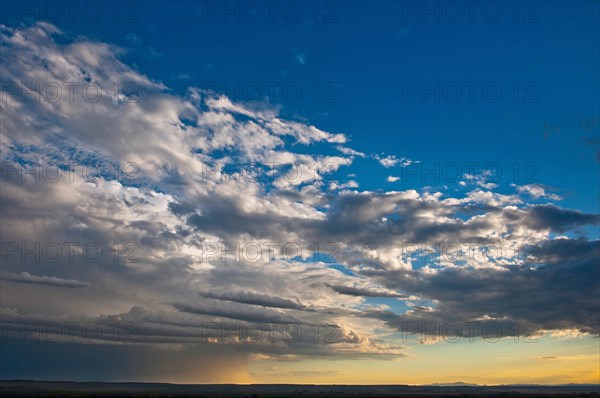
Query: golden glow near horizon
<point>552,360</point>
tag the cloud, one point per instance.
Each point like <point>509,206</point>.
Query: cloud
<point>299,56</point>
<point>350,151</point>
<point>392,161</point>
<point>181,76</point>
<point>26,277</point>
<point>537,191</point>
<point>524,296</point>
<point>139,47</point>
<point>557,219</point>
<point>364,292</point>
<point>336,185</point>
<point>255,299</point>
<point>237,311</point>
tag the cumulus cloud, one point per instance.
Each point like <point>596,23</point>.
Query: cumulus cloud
<point>392,161</point>
<point>536,191</point>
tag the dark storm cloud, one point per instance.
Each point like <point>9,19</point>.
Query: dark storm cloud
<point>263,300</point>
<point>560,292</point>
<point>362,292</point>
<point>26,277</point>
<point>558,219</point>
<point>237,311</point>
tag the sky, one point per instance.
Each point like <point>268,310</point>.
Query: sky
<point>300,192</point>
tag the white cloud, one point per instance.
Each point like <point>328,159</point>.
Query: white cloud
<point>536,191</point>
<point>350,151</point>
<point>392,161</point>
<point>299,55</point>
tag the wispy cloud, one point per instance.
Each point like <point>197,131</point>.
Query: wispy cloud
<point>299,56</point>
<point>26,277</point>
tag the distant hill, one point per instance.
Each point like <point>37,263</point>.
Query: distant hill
<point>22,388</point>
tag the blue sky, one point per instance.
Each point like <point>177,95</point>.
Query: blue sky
<point>412,125</point>
<point>360,60</point>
